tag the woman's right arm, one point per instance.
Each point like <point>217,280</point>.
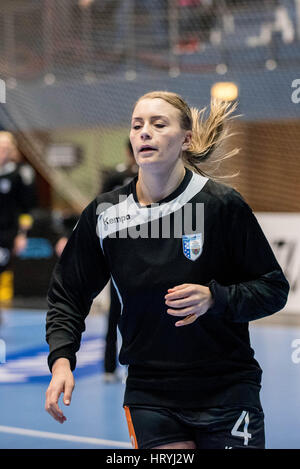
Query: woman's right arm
<point>78,278</point>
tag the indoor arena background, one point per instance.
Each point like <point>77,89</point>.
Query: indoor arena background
<point>70,71</point>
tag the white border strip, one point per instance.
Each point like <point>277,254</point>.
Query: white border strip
<point>60,436</point>
<point>140,215</point>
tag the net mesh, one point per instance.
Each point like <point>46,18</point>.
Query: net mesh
<point>72,70</point>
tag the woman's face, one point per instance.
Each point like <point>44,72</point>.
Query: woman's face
<point>156,136</point>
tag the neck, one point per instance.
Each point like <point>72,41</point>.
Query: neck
<point>152,187</point>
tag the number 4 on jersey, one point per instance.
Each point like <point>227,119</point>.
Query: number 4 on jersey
<point>244,434</point>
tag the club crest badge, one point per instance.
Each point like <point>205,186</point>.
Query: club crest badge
<point>192,246</point>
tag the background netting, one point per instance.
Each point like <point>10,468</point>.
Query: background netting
<point>73,69</point>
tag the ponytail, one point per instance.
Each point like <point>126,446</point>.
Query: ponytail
<point>208,136</point>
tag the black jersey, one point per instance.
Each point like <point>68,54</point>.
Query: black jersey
<point>15,198</point>
<point>147,250</point>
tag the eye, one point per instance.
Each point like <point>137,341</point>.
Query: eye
<point>136,127</point>
<point>160,126</point>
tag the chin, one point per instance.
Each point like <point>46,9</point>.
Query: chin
<point>145,161</point>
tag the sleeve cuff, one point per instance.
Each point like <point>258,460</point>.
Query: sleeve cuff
<point>220,297</point>
<point>63,352</point>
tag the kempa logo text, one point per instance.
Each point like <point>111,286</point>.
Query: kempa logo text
<point>2,91</point>
<point>122,219</point>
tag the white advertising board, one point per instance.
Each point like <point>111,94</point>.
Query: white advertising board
<point>282,230</point>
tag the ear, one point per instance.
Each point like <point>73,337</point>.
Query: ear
<point>187,140</point>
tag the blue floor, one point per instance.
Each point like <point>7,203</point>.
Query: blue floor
<point>95,418</point>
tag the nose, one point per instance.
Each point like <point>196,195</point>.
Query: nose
<point>145,134</point>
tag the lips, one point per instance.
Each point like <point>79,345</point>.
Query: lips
<point>145,148</point>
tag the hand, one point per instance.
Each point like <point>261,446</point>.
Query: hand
<point>62,382</point>
<point>20,243</point>
<point>194,300</point>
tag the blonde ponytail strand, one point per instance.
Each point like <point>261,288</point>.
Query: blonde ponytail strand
<point>208,136</point>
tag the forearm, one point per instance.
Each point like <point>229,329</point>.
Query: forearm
<point>64,326</point>
<point>248,301</point>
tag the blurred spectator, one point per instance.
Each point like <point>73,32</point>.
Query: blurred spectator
<point>151,24</point>
<point>63,225</point>
<point>196,18</point>
<point>125,22</point>
<point>28,176</point>
<point>39,257</point>
<point>15,203</point>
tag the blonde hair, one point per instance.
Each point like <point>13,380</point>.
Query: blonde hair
<point>207,134</point>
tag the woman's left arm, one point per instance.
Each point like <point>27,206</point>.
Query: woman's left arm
<point>261,288</point>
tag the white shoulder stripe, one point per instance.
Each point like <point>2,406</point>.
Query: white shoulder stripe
<point>127,213</point>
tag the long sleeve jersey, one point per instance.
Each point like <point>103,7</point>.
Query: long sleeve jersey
<point>203,233</point>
